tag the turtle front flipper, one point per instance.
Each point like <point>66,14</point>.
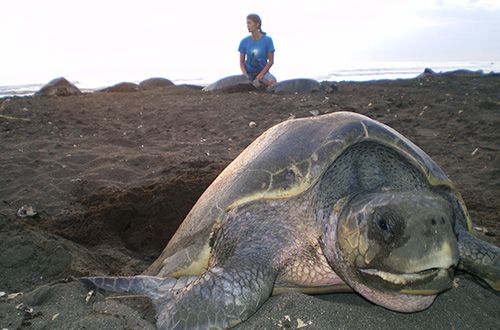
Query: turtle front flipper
<point>479,258</point>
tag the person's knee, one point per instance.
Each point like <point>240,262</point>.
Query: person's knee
<point>269,79</point>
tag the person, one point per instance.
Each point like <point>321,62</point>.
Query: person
<point>257,53</point>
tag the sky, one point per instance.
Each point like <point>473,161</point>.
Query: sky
<point>122,40</point>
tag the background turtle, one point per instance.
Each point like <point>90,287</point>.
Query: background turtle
<point>323,204</point>
<point>58,87</point>
<point>299,85</point>
<point>123,87</point>
<point>153,83</point>
<point>302,86</point>
<point>236,83</point>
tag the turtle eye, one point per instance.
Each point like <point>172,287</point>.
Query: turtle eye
<point>382,224</point>
<point>385,226</point>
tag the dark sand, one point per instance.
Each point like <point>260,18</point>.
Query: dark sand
<point>113,174</point>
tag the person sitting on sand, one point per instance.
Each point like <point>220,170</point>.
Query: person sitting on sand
<point>257,53</point>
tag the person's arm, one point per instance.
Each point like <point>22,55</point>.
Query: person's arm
<point>242,64</point>
<point>270,62</point>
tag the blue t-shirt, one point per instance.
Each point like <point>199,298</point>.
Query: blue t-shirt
<point>256,53</point>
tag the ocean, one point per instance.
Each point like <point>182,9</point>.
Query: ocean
<point>366,71</point>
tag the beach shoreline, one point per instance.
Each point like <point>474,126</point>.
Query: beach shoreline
<point>341,73</point>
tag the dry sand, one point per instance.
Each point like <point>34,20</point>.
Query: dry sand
<point>113,174</point>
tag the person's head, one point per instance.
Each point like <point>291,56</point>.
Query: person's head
<point>254,23</point>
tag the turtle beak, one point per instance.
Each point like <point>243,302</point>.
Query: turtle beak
<point>442,281</point>
<point>428,282</point>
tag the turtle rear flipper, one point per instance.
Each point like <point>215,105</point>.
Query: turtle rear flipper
<point>145,285</point>
<point>218,298</point>
<point>479,258</point>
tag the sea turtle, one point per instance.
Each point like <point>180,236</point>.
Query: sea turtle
<point>153,83</point>
<point>322,204</point>
<point>123,87</point>
<point>58,87</point>
<point>231,84</point>
<point>302,86</point>
<point>298,85</point>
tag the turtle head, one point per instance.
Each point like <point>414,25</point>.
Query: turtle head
<point>397,249</point>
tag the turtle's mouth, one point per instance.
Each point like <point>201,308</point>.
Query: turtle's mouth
<point>402,279</point>
<point>426,282</point>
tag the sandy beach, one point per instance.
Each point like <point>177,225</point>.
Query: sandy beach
<point>111,175</point>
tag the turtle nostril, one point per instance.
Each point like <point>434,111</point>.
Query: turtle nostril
<point>433,221</point>
<point>443,221</point>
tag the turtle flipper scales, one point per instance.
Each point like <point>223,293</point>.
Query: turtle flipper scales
<point>479,258</point>
<point>218,299</point>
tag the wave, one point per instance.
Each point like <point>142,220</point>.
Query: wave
<point>403,70</point>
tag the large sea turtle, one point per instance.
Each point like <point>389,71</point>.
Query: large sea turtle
<point>324,204</point>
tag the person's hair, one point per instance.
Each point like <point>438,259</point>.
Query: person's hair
<point>256,19</point>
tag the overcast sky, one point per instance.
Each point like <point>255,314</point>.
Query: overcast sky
<point>133,40</point>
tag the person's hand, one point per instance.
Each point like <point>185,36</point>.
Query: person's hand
<point>259,76</point>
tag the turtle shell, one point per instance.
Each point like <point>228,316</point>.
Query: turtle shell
<point>285,161</point>
<point>301,85</point>
<point>231,84</point>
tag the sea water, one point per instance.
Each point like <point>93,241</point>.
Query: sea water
<point>402,70</point>
<point>365,71</point>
